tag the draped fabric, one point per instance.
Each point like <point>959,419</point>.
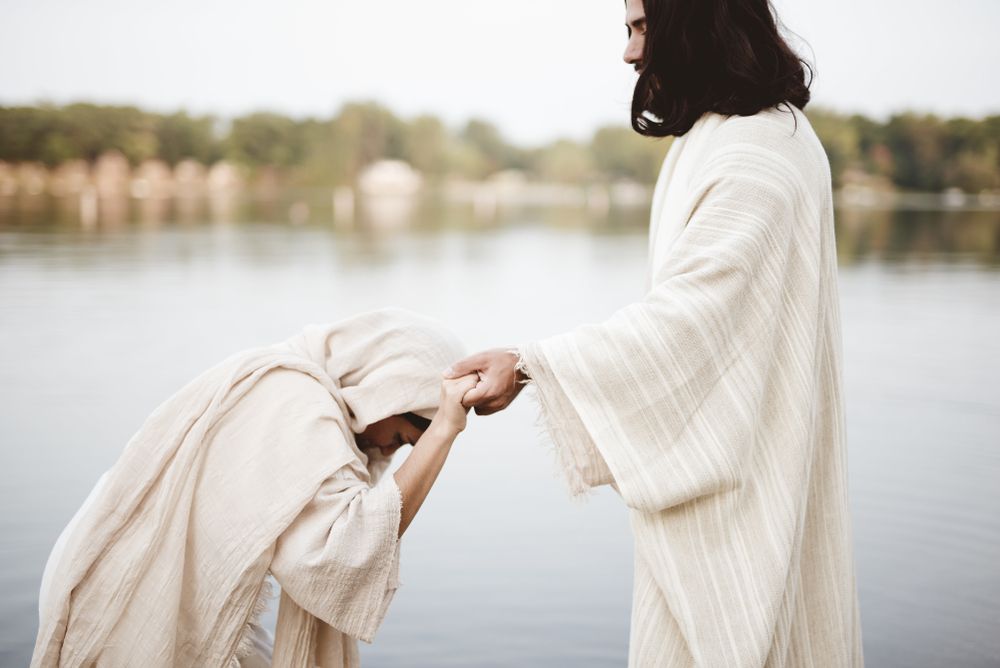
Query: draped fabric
<point>239,472</point>
<point>713,405</point>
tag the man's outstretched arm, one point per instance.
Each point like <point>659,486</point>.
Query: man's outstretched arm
<point>500,381</point>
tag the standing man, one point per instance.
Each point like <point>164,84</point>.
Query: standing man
<point>713,405</point>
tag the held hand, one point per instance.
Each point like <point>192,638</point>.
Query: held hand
<point>499,381</point>
<point>451,414</point>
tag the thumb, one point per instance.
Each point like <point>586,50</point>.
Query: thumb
<point>470,364</point>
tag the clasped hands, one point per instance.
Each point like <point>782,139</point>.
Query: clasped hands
<point>500,381</point>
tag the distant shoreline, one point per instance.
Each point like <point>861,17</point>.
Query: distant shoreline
<point>908,152</point>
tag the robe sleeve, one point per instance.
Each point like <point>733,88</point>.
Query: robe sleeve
<point>660,398</point>
<point>339,558</point>
<point>578,456</point>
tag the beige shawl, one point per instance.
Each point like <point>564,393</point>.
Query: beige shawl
<point>165,567</point>
<point>714,406</point>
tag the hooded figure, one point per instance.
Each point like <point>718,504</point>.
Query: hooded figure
<point>252,468</point>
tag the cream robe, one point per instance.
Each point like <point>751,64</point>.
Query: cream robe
<point>250,467</point>
<point>337,561</point>
<point>714,407</point>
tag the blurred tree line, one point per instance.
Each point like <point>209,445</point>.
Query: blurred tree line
<point>913,151</point>
<point>908,151</point>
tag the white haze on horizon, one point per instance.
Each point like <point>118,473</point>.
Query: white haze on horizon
<point>538,69</point>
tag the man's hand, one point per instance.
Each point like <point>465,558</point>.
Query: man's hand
<point>499,381</point>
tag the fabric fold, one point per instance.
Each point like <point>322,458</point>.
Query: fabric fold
<point>578,457</point>
<point>714,406</point>
<point>164,564</point>
<point>655,385</point>
<point>339,559</point>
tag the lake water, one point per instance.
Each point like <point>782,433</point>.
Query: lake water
<point>501,568</point>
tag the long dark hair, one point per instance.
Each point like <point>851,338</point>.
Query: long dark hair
<point>725,56</point>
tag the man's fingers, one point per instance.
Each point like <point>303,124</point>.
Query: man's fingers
<point>462,383</point>
<point>470,364</point>
<point>475,395</point>
<point>466,383</point>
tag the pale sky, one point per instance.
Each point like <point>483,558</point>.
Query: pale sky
<point>539,69</point>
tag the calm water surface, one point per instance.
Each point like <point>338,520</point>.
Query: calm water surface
<point>501,568</point>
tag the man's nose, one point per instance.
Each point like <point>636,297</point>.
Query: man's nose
<point>633,54</point>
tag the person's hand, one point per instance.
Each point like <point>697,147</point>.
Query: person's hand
<point>451,414</point>
<point>499,381</point>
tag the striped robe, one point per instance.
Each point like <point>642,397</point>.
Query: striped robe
<point>714,407</point>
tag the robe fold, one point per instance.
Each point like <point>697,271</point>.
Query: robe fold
<point>252,467</point>
<point>713,405</point>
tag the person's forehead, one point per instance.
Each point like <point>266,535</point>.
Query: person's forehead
<point>634,11</point>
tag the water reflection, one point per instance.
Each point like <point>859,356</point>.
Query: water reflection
<point>894,235</point>
<point>888,235</point>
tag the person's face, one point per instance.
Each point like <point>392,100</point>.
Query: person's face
<point>389,434</point>
<point>635,23</point>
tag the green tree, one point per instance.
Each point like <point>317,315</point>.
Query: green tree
<point>494,152</point>
<point>918,145</point>
<point>840,138</point>
<point>265,139</point>
<point>366,132</point>
<point>325,162</point>
<point>425,145</point>
<point>25,133</point>
<point>92,129</point>
<point>53,135</point>
<point>564,161</point>
<point>972,160</point>
<point>619,152</point>
<point>180,137</point>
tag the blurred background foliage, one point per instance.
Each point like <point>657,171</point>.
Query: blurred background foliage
<point>907,151</point>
